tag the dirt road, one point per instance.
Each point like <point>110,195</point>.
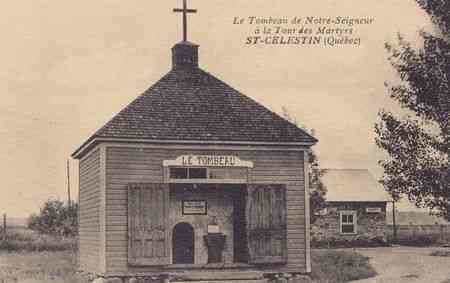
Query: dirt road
<point>406,264</point>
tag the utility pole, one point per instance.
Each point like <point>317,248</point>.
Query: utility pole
<point>4,226</point>
<point>394,223</point>
<point>68,185</point>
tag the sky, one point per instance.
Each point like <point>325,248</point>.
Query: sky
<point>68,66</point>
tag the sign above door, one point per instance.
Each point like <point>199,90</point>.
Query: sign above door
<point>208,161</point>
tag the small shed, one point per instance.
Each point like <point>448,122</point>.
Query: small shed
<point>355,209</point>
<point>194,181</point>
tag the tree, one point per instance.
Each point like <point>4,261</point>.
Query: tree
<point>417,145</point>
<point>55,218</point>
<point>317,189</point>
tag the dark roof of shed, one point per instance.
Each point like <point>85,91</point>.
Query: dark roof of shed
<point>191,104</point>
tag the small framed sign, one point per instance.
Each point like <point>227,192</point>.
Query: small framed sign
<point>373,209</point>
<point>213,229</point>
<point>195,207</point>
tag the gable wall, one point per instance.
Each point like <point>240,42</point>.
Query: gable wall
<point>89,212</point>
<point>132,164</point>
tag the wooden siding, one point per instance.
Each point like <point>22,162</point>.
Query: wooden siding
<point>89,213</point>
<point>126,165</point>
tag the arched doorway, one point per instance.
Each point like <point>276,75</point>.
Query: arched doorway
<point>183,244</point>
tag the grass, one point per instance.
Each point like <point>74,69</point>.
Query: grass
<point>28,255</point>
<point>53,266</point>
<point>329,266</point>
<point>25,254</point>
<point>21,239</point>
<point>332,266</point>
<point>442,253</point>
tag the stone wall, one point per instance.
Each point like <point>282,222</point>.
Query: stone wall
<point>272,278</point>
<point>220,206</point>
<point>371,227</point>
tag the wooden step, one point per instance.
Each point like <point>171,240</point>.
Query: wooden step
<point>216,276</point>
<point>226,281</point>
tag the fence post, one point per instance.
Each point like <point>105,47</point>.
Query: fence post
<point>445,234</point>
<point>394,222</point>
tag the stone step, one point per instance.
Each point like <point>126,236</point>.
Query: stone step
<point>296,279</point>
<point>302,279</point>
<point>134,280</point>
<point>207,277</point>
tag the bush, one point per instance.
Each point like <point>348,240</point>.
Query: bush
<point>340,266</point>
<point>23,240</point>
<point>354,243</point>
<point>442,253</point>
<point>55,218</point>
<point>418,241</point>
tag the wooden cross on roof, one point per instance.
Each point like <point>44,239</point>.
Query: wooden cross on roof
<point>185,11</point>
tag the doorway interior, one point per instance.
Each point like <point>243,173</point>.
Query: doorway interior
<point>240,245</point>
<point>183,243</point>
<point>183,238</point>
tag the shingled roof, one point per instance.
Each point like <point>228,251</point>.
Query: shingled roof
<point>189,104</point>
<point>352,185</point>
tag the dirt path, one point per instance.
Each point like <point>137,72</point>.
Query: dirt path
<point>406,264</point>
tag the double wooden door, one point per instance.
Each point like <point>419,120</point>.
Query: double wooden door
<point>149,243</point>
